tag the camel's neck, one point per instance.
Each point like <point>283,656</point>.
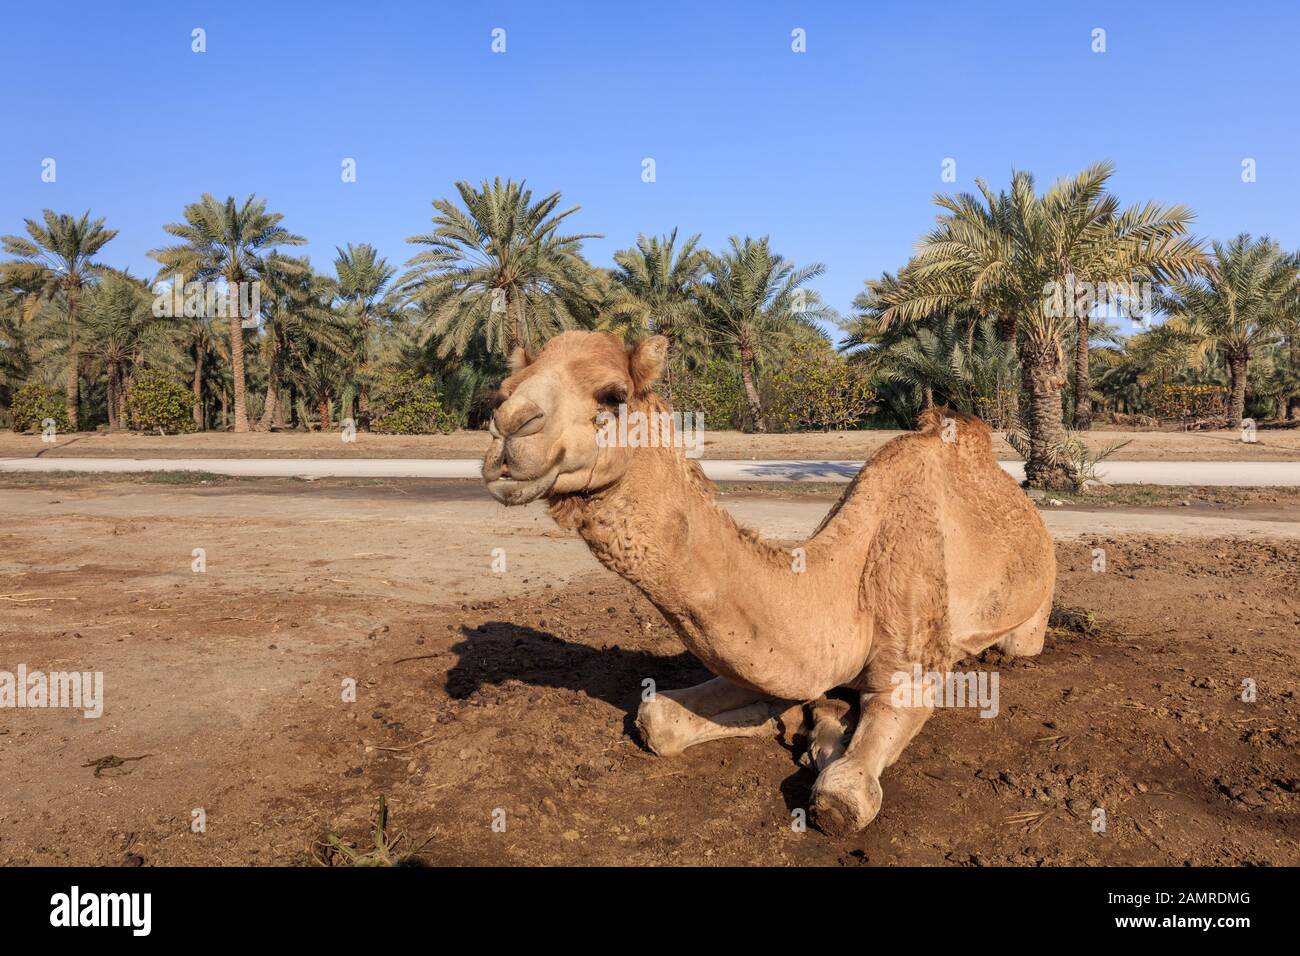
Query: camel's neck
<point>660,528</point>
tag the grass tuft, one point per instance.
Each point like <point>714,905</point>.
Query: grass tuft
<point>1076,619</point>
<point>334,851</point>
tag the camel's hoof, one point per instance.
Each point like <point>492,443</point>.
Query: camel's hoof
<point>845,802</point>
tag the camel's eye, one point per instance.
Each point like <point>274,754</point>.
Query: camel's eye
<point>615,394</point>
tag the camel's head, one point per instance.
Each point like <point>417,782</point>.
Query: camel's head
<point>545,430</point>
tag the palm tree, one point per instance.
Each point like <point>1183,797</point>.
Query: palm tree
<point>58,261</point>
<point>1248,297</point>
<point>1093,339</point>
<point>295,298</point>
<point>1015,253</point>
<point>203,343</point>
<point>499,269</point>
<point>231,242</point>
<point>954,357</point>
<point>363,286</point>
<point>317,353</point>
<point>15,360</point>
<point>195,343</point>
<point>965,366</point>
<point>754,303</point>
<point>1292,365</point>
<point>661,286</point>
<point>119,328</point>
<point>466,381</point>
<point>1275,378</point>
<point>869,341</point>
<point>1121,379</point>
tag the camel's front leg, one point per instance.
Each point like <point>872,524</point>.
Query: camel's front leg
<point>672,720</point>
<point>847,794</point>
<point>832,728</point>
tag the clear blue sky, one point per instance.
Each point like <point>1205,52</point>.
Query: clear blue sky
<point>834,152</point>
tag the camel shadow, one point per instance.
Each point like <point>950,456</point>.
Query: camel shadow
<point>497,651</point>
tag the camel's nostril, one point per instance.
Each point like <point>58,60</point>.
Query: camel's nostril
<point>519,420</point>
<point>530,426</point>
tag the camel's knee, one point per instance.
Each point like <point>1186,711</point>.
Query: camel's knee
<point>847,794</point>
<point>1023,643</point>
<point>1027,639</point>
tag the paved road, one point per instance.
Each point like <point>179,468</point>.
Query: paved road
<point>1253,473</point>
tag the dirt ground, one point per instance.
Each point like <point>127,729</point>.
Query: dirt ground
<point>1271,445</point>
<point>486,696</point>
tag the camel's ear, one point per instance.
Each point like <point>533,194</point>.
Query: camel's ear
<point>520,358</point>
<point>646,362</point>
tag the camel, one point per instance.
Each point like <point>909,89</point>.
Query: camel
<point>932,554</point>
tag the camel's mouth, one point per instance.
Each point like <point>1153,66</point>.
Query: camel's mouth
<point>513,491</point>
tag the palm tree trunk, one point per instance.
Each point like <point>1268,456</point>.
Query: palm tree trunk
<point>123,389</point>
<point>198,387</point>
<point>363,406</point>
<point>72,389</point>
<point>1238,363</point>
<point>1044,467</point>
<point>113,375</point>
<point>237,358</point>
<point>514,331</point>
<point>1006,326</point>
<point>1082,378</point>
<point>273,376</point>
<point>927,395</point>
<point>751,391</point>
<point>363,386</point>
<point>1293,347</point>
<point>669,353</point>
<point>324,414</point>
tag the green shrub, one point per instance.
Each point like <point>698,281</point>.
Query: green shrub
<point>408,405</point>
<point>816,389</point>
<point>155,401</point>
<point>714,388</point>
<point>35,402</point>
